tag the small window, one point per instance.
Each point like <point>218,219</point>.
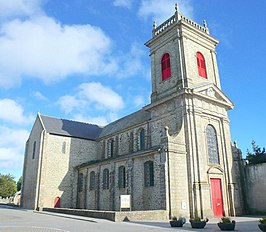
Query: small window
<point>111,143</point>
<point>92,180</point>
<point>106,179</point>
<point>34,150</point>
<point>80,182</point>
<point>212,145</point>
<point>131,142</point>
<point>122,177</point>
<point>148,174</point>
<point>64,148</point>
<point>141,139</point>
<point>201,65</point>
<point>165,66</point>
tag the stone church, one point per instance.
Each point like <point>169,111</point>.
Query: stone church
<point>172,156</point>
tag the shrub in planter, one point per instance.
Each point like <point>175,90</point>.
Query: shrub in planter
<point>177,222</point>
<point>226,224</point>
<point>198,223</point>
<point>262,224</point>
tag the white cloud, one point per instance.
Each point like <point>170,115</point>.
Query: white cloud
<point>13,112</point>
<point>102,96</point>
<point>12,144</point>
<point>100,120</point>
<point>123,3</point>
<point>132,62</point>
<point>12,8</point>
<point>40,96</point>
<point>43,48</point>
<point>90,99</point>
<point>69,103</point>
<point>160,10</point>
<point>139,101</point>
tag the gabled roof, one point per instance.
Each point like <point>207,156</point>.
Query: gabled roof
<point>126,122</point>
<point>70,128</point>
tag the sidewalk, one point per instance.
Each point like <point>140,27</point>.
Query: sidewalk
<point>246,223</point>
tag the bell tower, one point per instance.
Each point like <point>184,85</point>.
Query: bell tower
<point>187,99</point>
<point>182,56</point>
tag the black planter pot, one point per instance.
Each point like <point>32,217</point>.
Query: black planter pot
<point>262,227</point>
<point>197,224</point>
<point>227,226</point>
<point>178,223</point>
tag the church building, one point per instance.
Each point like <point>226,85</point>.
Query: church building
<point>172,156</point>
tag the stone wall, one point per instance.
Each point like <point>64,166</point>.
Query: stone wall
<point>59,178</point>
<point>31,169</point>
<point>255,188</point>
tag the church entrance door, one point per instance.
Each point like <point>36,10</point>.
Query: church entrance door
<point>217,197</point>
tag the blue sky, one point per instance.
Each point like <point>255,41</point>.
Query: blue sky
<point>86,60</point>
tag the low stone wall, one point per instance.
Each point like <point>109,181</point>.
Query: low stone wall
<point>153,215</point>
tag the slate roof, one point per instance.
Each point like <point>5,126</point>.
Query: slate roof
<point>71,128</point>
<point>89,131</point>
<point>126,122</point>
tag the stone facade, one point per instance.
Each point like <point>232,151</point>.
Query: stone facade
<point>160,155</point>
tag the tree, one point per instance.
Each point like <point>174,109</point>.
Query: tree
<point>258,155</point>
<point>19,184</point>
<point>7,185</point>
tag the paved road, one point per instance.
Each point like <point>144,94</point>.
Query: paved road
<point>18,220</point>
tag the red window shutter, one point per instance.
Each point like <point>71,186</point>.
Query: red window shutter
<point>201,65</point>
<point>166,67</point>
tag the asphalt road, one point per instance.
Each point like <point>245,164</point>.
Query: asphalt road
<point>14,219</point>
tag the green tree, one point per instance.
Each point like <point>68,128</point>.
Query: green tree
<point>7,185</point>
<point>19,184</point>
<point>258,154</point>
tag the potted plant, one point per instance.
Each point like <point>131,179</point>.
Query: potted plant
<point>262,224</point>
<point>198,223</point>
<point>177,222</point>
<point>226,224</point>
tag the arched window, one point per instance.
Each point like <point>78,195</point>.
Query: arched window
<point>201,65</point>
<point>80,182</point>
<point>64,148</point>
<point>106,179</point>
<point>165,66</point>
<point>34,150</point>
<point>212,145</point>
<point>141,139</point>
<point>111,143</point>
<point>148,174</point>
<point>122,177</point>
<point>92,180</point>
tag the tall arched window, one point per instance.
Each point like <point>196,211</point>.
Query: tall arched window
<point>122,177</point>
<point>92,180</point>
<point>212,145</point>
<point>141,139</point>
<point>34,150</point>
<point>106,179</point>
<point>165,66</point>
<point>80,182</point>
<point>201,65</point>
<point>111,144</point>
<point>148,174</point>
<point>64,147</point>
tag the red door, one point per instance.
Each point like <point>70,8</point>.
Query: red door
<point>217,197</point>
<point>57,202</point>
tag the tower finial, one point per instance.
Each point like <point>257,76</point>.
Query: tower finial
<point>205,23</point>
<point>154,24</point>
<point>176,7</point>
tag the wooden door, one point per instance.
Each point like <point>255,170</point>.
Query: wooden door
<point>57,202</point>
<point>217,197</point>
